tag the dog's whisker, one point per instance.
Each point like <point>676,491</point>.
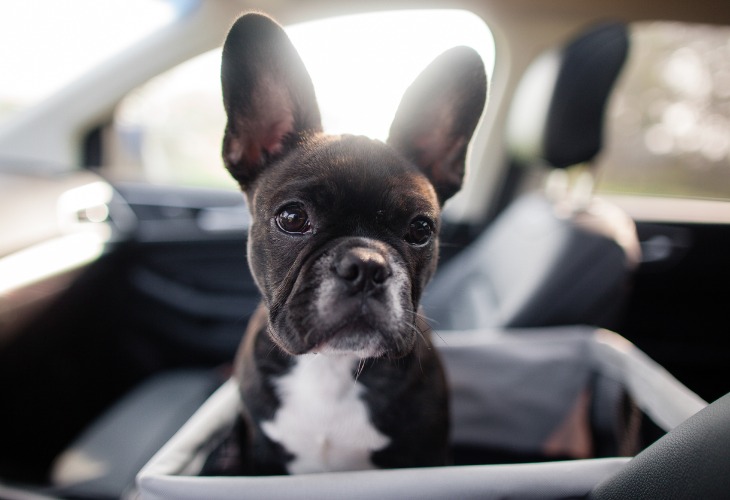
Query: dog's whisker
<point>420,365</point>
<point>272,348</point>
<point>426,319</point>
<point>428,327</point>
<point>360,368</point>
<point>420,334</point>
<point>440,337</point>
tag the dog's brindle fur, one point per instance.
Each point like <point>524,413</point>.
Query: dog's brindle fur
<point>337,370</point>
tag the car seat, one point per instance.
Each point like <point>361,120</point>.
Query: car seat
<point>533,391</point>
<point>560,256</point>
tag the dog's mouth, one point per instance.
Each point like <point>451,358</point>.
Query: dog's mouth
<point>358,335</point>
<point>366,327</point>
<point>360,304</point>
<point>362,347</point>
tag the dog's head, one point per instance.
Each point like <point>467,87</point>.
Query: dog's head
<point>344,231</point>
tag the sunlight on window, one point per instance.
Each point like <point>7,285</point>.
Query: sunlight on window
<point>44,45</point>
<point>171,127</point>
<point>361,65</point>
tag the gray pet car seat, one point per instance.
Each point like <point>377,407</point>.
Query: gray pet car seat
<point>579,397</point>
<point>561,392</point>
<point>561,256</point>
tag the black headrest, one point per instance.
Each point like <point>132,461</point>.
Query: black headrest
<point>558,111</point>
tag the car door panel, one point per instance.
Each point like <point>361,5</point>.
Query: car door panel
<point>678,307</point>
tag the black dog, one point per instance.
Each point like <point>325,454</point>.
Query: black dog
<point>336,370</point>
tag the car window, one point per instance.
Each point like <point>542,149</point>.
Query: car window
<point>169,130</point>
<point>83,33</point>
<point>668,131</point>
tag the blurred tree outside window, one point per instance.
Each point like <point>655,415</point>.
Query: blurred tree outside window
<point>668,130</point>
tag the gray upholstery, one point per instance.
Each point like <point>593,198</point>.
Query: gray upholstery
<point>537,267</point>
<point>528,390</point>
<point>104,460</point>
<point>549,259</point>
<point>691,461</point>
<point>525,481</point>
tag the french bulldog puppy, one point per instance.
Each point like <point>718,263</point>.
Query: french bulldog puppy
<point>336,369</point>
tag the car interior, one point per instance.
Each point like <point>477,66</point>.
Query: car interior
<point>137,294</point>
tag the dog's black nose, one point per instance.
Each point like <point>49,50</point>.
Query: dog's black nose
<point>363,269</point>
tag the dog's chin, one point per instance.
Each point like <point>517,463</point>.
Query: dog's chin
<point>356,337</point>
<point>360,348</point>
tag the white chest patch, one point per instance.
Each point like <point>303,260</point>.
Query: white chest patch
<point>322,421</point>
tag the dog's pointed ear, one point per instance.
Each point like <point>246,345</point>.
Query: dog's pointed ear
<point>267,94</point>
<point>437,117</point>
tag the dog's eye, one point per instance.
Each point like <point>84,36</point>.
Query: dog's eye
<point>420,231</point>
<point>293,219</point>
